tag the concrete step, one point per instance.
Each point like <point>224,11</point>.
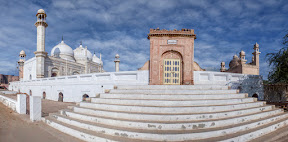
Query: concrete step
<point>173,92</point>
<point>173,97</point>
<point>158,117</point>
<point>172,125</point>
<point>175,136</point>
<point>171,110</point>
<point>167,103</point>
<point>172,87</point>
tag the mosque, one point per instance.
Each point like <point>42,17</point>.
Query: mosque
<point>63,60</point>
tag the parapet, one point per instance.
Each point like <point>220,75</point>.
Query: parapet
<point>175,32</point>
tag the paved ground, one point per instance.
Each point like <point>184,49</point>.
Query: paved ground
<point>18,128</point>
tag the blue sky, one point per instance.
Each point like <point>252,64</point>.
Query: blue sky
<point>223,28</point>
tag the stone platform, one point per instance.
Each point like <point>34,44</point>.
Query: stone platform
<point>169,113</point>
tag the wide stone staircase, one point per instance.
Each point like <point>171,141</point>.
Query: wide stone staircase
<point>170,113</point>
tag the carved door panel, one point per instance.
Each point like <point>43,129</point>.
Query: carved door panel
<point>171,72</point>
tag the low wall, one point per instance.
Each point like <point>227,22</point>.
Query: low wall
<point>11,103</point>
<point>74,87</point>
<point>251,84</point>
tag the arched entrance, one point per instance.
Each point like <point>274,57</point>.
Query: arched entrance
<point>54,75</point>
<point>255,95</point>
<point>84,97</point>
<point>171,68</point>
<point>44,95</point>
<point>60,97</point>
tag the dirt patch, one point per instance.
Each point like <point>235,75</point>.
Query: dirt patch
<point>16,128</point>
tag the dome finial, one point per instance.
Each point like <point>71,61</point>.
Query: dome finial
<point>62,37</point>
<point>81,42</point>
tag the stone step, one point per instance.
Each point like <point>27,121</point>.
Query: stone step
<point>252,134</point>
<point>173,92</point>
<point>174,136</point>
<point>174,97</point>
<point>158,117</point>
<point>171,110</point>
<point>172,125</point>
<point>172,87</point>
<point>167,103</point>
<point>77,132</point>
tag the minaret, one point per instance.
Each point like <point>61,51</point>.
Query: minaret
<point>40,54</point>
<point>222,67</point>
<point>117,62</point>
<point>86,60</point>
<point>21,61</point>
<point>242,57</point>
<point>256,54</point>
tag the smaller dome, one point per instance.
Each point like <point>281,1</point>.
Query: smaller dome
<point>242,53</point>
<point>256,45</point>
<point>41,11</point>
<point>234,62</point>
<point>97,60</point>
<point>82,53</point>
<point>22,53</point>
<point>117,56</point>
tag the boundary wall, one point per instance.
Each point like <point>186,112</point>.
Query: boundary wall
<point>11,103</point>
<point>74,87</point>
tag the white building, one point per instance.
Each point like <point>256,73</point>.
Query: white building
<point>63,60</point>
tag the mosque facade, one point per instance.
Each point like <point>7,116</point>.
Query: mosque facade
<point>62,61</point>
<point>239,65</point>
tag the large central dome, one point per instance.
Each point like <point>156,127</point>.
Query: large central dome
<point>63,51</point>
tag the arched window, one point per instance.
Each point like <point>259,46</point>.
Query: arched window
<point>60,97</point>
<point>30,77</point>
<point>30,93</point>
<point>84,97</point>
<point>44,95</point>
<point>75,73</point>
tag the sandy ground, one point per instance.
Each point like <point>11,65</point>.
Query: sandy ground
<point>18,128</point>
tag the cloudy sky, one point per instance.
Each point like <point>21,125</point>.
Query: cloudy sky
<point>223,28</point>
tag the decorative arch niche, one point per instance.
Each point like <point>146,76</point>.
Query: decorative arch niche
<point>54,72</point>
<point>171,54</point>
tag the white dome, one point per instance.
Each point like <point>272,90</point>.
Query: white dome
<point>97,60</point>
<point>81,54</point>
<point>22,53</point>
<point>40,11</point>
<point>63,51</point>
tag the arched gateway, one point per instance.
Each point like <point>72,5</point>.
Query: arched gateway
<point>171,56</point>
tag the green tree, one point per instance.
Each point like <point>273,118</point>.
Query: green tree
<point>279,63</point>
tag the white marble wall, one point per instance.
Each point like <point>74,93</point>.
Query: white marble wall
<point>75,86</point>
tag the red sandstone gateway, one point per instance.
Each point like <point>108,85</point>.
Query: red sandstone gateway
<point>171,56</point>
